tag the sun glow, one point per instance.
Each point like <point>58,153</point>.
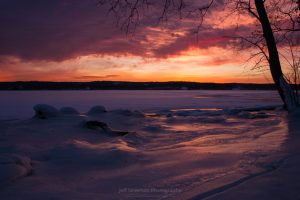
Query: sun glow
<point>206,65</point>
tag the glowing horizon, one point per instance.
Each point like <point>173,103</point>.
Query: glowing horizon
<point>136,69</point>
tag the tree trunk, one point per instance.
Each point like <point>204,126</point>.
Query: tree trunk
<point>286,93</point>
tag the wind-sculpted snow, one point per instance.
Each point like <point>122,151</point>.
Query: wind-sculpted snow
<point>165,153</point>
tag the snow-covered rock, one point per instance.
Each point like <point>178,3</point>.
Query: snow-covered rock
<point>97,125</point>
<point>69,111</point>
<point>44,111</point>
<point>97,110</point>
<point>13,167</point>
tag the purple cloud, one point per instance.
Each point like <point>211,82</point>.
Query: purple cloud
<point>57,30</point>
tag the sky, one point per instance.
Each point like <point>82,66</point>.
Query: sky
<point>75,40</point>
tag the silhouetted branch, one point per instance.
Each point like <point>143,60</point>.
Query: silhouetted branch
<point>129,11</point>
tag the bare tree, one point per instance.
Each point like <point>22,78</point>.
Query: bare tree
<point>278,27</point>
<point>293,61</point>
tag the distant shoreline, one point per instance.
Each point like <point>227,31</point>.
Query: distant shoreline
<point>123,85</point>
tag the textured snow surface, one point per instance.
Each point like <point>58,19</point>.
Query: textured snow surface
<point>172,150</point>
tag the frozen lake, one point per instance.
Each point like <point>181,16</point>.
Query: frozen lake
<point>183,144</point>
<point>16,104</point>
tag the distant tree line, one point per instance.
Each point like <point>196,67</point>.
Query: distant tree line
<point>117,85</point>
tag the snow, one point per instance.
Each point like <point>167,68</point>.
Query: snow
<point>96,110</point>
<point>69,111</point>
<point>187,148</point>
<point>44,111</point>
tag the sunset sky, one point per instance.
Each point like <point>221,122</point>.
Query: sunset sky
<point>75,40</point>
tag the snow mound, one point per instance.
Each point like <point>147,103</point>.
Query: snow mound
<point>97,110</point>
<point>44,111</point>
<point>128,113</point>
<point>69,111</point>
<point>13,167</point>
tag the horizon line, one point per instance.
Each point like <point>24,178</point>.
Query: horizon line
<point>134,82</point>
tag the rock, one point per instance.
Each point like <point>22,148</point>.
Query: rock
<point>97,125</point>
<point>44,111</point>
<point>13,167</point>
<point>69,111</point>
<point>97,110</point>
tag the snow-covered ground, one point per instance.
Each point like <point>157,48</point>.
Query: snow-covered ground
<point>148,145</point>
